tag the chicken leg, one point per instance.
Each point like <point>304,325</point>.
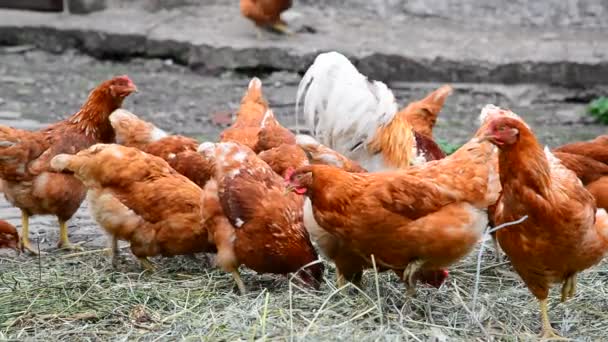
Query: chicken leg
<point>569,288</point>
<point>25,233</point>
<point>548,333</point>
<point>409,276</point>
<point>113,251</point>
<point>239,282</point>
<point>64,240</point>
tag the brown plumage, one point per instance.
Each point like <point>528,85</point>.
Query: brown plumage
<point>9,238</point>
<point>25,157</point>
<point>563,234</point>
<point>596,149</point>
<point>266,13</point>
<point>179,151</point>
<point>283,158</point>
<point>318,153</point>
<point>272,134</point>
<point>137,197</point>
<point>422,218</point>
<point>422,114</point>
<point>251,218</point>
<point>247,125</point>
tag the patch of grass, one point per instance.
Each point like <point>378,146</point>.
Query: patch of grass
<point>448,147</point>
<point>83,298</point>
<point>598,108</point>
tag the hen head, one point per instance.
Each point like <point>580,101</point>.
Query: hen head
<point>119,87</point>
<point>435,278</point>
<point>503,131</point>
<point>312,275</point>
<point>299,180</point>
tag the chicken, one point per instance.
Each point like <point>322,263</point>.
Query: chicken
<point>331,246</point>
<point>422,115</point>
<point>252,220</point>
<point>272,134</point>
<point>266,14</point>
<point>250,116</point>
<point>277,146</point>
<point>359,119</point>
<point>595,149</point>
<point>179,151</point>
<point>284,158</point>
<point>592,173</point>
<point>9,238</point>
<point>563,234</point>
<point>25,157</point>
<point>137,197</point>
<point>421,218</point>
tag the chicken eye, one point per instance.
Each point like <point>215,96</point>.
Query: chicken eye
<point>501,128</point>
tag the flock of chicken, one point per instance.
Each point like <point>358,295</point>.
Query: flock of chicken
<point>369,186</point>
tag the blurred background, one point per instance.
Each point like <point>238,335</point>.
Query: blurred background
<point>547,60</point>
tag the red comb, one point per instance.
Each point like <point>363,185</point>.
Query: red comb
<point>289,172</point>
<point>124,78</point>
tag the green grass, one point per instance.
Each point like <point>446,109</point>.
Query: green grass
<point>598,108</point>
<point>448,147</point>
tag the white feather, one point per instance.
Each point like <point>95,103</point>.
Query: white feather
<point>342,108</point>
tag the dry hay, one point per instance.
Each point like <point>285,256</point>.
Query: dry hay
<point>61,296</point>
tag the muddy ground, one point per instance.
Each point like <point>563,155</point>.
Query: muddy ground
<point>39,87</point>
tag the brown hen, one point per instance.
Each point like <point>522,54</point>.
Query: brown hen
<point>30,185</point>
<point>563,234</point>
<point>421,218</point>
<point>251,218</point>
<point>139,198</point>
<point>266,14</point>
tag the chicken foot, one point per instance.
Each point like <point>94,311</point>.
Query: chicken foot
<point>409,276</point>
<point>146,264</point>
<point>569,288</point>
<point>25,233</point>
<point>282,28</point>
<point>239,282</point>
<point>548,333</point>
<point>64,240</point>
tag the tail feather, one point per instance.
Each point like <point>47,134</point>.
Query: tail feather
<point>253,106</point>
<point>422,114</point>
<point>341,107</point>
<point>132,131</point>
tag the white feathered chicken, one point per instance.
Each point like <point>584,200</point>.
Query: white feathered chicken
<point>359,118</point>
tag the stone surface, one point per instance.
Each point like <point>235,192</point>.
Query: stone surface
<point>407,45</point>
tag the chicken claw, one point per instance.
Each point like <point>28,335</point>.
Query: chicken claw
<point>569,288</point>
<point>147,264</point>
<point>64,241</point>
<point>25,234</point>
<point>548,333</point>
<point>282,28</point>
<point>239,282</point>
<point>409,276</point>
